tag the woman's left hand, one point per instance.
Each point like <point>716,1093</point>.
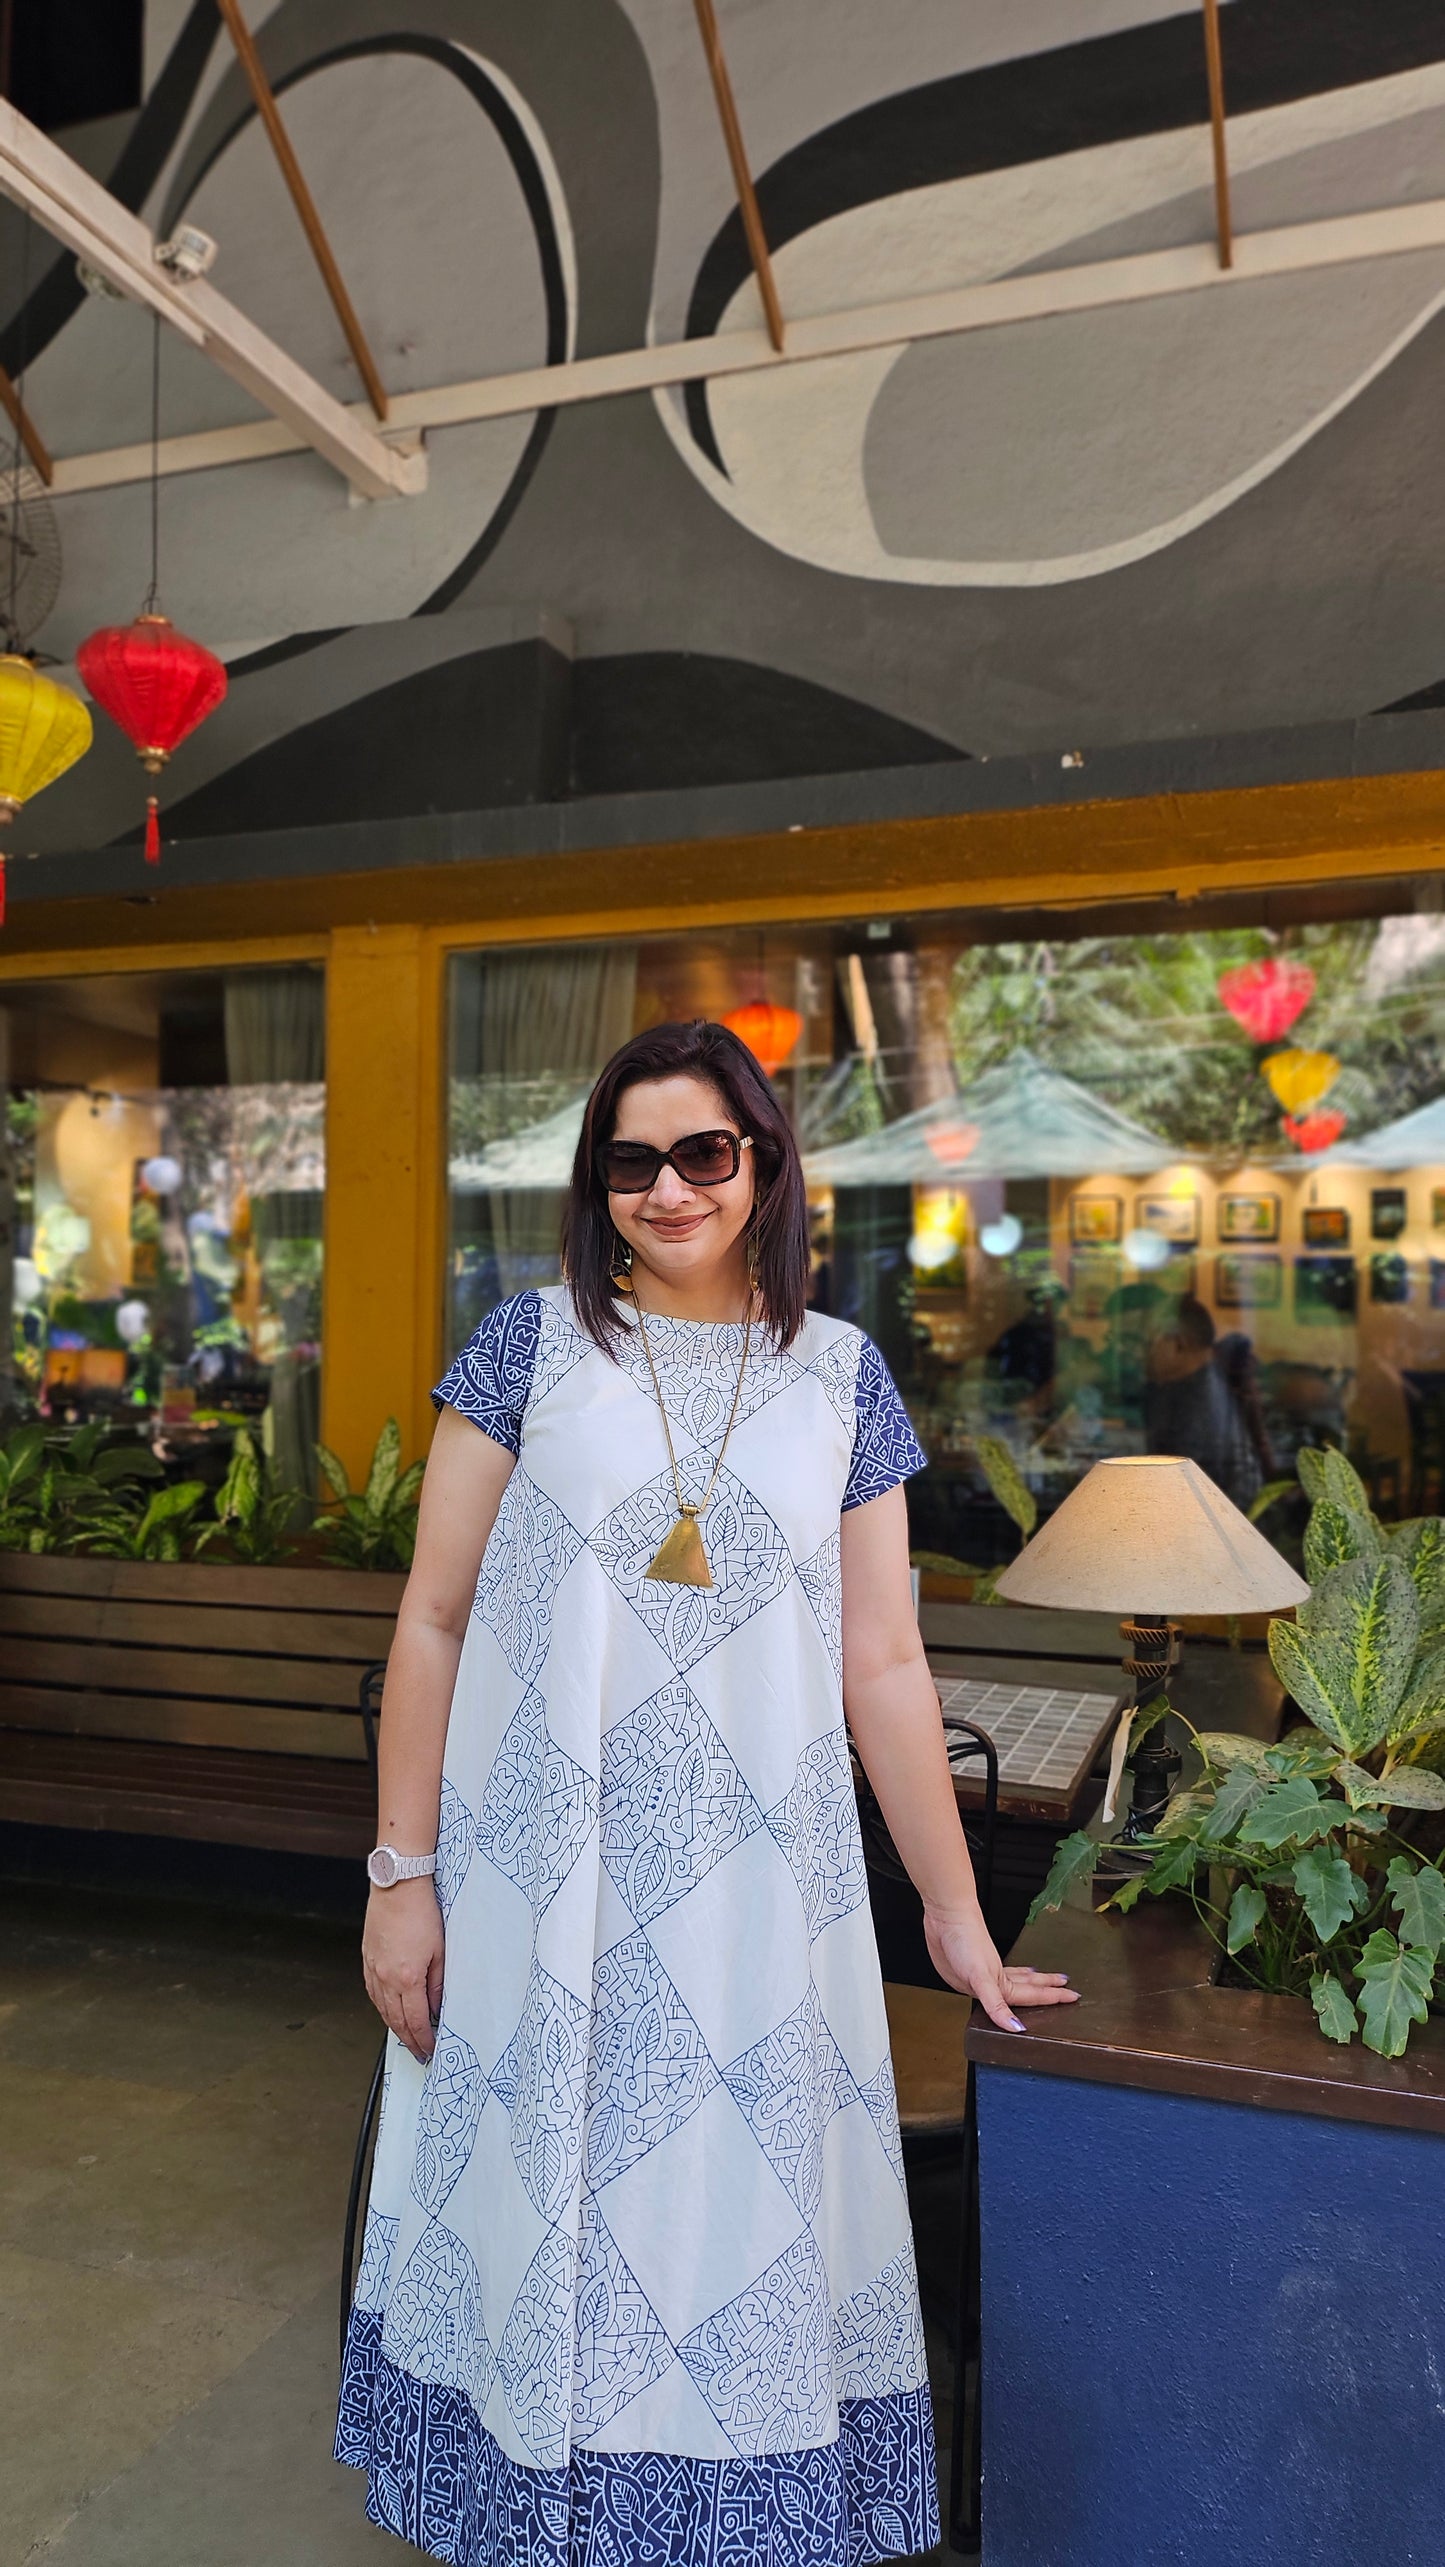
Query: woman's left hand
<point>962,1952</point>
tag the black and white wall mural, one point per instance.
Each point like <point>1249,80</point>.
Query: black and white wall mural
<point>1198,514</point>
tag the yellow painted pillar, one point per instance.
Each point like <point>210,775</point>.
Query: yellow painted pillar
<point>385,1188</point>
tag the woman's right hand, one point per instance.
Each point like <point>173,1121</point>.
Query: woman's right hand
<point>403,1948</point>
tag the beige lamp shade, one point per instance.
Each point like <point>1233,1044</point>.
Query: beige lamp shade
<point>1150,1534</point>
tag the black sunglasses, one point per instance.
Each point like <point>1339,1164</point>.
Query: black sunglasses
<point>704,1158</point>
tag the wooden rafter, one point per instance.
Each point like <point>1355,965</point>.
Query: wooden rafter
<point>1214,58</point>
<point>746,193</point>
<point>305,203</point>
<point>30,437</point>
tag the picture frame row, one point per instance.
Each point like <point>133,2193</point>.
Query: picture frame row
<point>1325,1287</point>
<point>1241,1220</point>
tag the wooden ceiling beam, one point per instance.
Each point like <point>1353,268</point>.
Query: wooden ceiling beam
<point>29,435</point>
<point>746,193</point>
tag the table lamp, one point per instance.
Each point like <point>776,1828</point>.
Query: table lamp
<point>1149,1536</point>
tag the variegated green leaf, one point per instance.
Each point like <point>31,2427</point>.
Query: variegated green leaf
<point>385,1464</point>
<point>1325,1474</point>
<point>1418,1897</point>
<point>1247,1911</point>
<point>1225,1748</point>
<point>1187,1813</point>
<point>333,1471</point>
<point>1408,1787</point>
<point>1338,2020</point>
<point>1395,1985</point>
<point>1337,1533</point>
<point>1419,1545</point>
<point>1002,1474</point>
<point>1422,1706</point>
<point>1347,1660</point>
<point>1302,1750</point>
<point>1329,1891</point>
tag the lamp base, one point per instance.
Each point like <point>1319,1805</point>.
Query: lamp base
<point>1151,1651</point>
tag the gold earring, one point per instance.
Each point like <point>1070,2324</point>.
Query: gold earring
<point>621,1276</point>
<point>753,1258</point>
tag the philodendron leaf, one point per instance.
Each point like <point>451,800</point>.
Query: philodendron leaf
<point>1225,1748</point>
<point>1329,1891</point>
<point>1418,1898</point>
<point>1347,1660</point>
<point>1174,1866</point>
<point>1290,1814</point>
<point>1421,1708</point>
<point>1337,2017</point>
<point>1076,1859</point>
<point>1247,1911</point>
<point>1395,1984</point>
<point>1237,1793</point>
<point>1325,1474</point>
<point>1003,1476</point>
<point>1336,1533</point>
<point>1302,1751</point>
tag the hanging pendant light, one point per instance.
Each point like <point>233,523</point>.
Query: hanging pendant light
<point>770,1033</point>
<point>1300,1079</point>
<point>154,682</point>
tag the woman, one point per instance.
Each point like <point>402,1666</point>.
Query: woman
<point>638,2280</point>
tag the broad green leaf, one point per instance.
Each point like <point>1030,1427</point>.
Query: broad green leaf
<point>25,1448</point>
<point>1347,1660</point>
<point>1127,1895</point>
<point>942,1564</point>
<point>125,1462</point>
<point>1187,1812</point>
<point>1418,1898</point>
<point>1338,2020</point>
<point>408,1487</point>
<point>1268,1496</point>
<point>1325,1474</point>
<point>333,1472</point>
<point>1239,1792</point>
<point>1329,1891</point>
<point>1422,1705</point>
<point>177,1500</point>
<point>1408,1787</point>
<point>1003,1476</point>
<point>1247,1912</point>
<point>1292,1813</point>
<point>1395,1985</point>
<point>1075,1859</point>
<point>1224,1749</point>
<point>1173,1866</point>
<point>1335,1534</point>
<point>385,1463</point>
<point>1302,1750</point>
<point>1420,1546</point>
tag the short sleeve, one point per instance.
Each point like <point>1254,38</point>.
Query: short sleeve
<point>886,1452</point>
<point>490,1381</point>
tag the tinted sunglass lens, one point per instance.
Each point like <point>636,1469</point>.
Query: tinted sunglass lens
<point>628,1167</point>
<point>708,1158</point>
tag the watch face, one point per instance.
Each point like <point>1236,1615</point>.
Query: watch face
<point>382,1867</point>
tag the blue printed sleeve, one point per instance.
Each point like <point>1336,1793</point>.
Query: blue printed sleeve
<point>885,1449</point>
<point>490,1381</point>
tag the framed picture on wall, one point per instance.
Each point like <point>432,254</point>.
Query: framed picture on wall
<point>1389,1209</point>
<point>1097,1218</point>
<point>1248,1283</point>
<point>1169,1216</point>
<point>1326,1225</point>
<point>1325,1289</point>
<point>1247,1216</point>
<point>1093,1281</point>
<point>1389,1277</point>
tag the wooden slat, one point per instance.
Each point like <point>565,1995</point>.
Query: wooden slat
<point>319,1590</point>
<point>926,2028</point>
<point>1021,1630</point>
<point>277,1803</point>
<point>354,1637</point>
<point>273,1731</point>
<point>96,1671</point>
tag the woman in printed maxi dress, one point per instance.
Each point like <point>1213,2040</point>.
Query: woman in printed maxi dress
<point>638,2285</point>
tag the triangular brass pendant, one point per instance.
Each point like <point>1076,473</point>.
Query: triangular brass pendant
<point>681,1560</point>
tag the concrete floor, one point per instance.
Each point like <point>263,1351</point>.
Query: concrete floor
<point>181,2085</point>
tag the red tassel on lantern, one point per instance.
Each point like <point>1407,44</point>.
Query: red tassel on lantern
<point>158,685</point>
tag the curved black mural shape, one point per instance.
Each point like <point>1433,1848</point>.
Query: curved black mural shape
<point>142,157</point>
<point>1104,89</point>
<point>518,724</point>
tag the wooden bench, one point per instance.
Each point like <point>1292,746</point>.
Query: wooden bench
<point>194,1700</point>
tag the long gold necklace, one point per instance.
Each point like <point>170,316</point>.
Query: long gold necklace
<point>681,1560</point>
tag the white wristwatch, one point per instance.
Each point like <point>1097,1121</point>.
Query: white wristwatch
<point>385,1867</point>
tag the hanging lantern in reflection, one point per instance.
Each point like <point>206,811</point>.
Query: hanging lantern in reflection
<point>161,1175</point>
<point>770,1033</point>
<point>1266,997</point>
<point>1146,1250</point>
<point>952,1142</point>
<point>132,1321</point>
<point>44,728</point>
<point>1318,1131</point>
<point>1299,1079</point>
<point>158,685</point>
<point>1000,1238</point>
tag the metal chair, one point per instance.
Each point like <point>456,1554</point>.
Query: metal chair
<point>368,1703</point>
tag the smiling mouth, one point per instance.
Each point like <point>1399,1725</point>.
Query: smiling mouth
<point>675,1225</point>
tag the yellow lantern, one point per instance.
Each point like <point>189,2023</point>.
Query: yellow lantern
<point>44,728</point>
<point>1300,1079</point>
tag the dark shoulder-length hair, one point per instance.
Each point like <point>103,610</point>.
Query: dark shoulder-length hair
<point>780,1217</point>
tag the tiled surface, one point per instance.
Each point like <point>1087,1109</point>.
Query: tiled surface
<point>181,2086</point>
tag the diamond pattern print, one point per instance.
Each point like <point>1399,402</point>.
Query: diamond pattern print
<point>881,2098</point>
<point>788,2086</point>
<point>433,2326</point>
<point>621,2348</point>
<point>650,2067</point>
<point>878,2334</point>
<point>535,2354</point>
<point>821,1580</point>
<point>451,2107</point>
<point>673,1801</point>
<point>456,1844</point>
<point>532,1546</point>
<point>698,1370</point>
<point>817,1828</point>
<point>377,2250</point>
<point>537,1808</point>
<point>749,1559</point>
<point>764,2361</point>
<point>541,2078</point>
<point>836,1368</point>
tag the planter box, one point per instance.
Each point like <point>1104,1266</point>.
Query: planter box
<point>1213,2270</point>
<point>192,1699</point>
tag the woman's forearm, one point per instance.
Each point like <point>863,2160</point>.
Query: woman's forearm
<point>898,1731</point>
<point>412,1733</point>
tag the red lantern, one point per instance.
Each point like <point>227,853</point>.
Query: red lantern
<point>158,685</point>
<point>1266,997</point>
<point>1317,1131</point>
<point>951,1143</point>
<point>769,1032</point>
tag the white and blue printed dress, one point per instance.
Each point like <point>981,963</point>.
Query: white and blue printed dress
<point>638,2286</point>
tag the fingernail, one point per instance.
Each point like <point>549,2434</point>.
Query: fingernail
<point>1014,2024</point>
